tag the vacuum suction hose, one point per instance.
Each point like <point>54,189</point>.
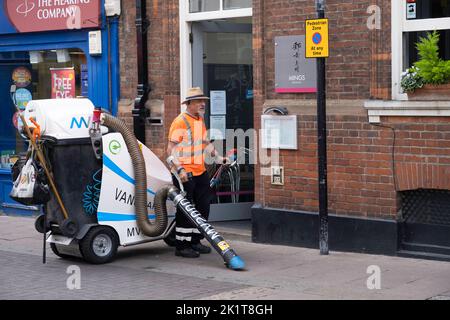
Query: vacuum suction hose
<point>140,176</point>
<point>231,259</point>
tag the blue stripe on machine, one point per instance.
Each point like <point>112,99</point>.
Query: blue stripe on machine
<point>107,216</point>
<point>115,168</point>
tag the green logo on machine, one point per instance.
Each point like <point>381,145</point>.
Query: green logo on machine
<point>115,147</point>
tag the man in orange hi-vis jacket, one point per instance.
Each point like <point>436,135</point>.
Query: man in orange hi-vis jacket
<point>188,145</point>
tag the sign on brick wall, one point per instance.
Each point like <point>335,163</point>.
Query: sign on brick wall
<point>46,15</point>
<point>293,72</point>
<point>317,38</point>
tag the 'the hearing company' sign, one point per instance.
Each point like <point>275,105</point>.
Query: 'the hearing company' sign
<point>46,15</point>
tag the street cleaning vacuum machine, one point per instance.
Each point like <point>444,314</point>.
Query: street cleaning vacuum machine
<point>109,189</point>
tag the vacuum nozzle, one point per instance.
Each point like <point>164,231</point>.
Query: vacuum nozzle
<point>236,263</point>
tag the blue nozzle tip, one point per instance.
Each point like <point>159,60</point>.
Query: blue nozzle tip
<point>236,263</point>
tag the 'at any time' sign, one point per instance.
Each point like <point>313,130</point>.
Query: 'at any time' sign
<point>317,38</point>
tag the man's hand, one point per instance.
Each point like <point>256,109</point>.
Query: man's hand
<point>223,160</point>
<point>183,176</point>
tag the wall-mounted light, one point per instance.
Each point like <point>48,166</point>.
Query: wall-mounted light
<point>36,57</point>
<point>320,5</point>
<point>95,42</point>
<point>282,111</point>
<point>62,55</point>
<point>112,8</point>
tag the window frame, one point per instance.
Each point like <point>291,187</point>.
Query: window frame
<point>401,25</point>
<point>186,18</point>
<point>216,14</point>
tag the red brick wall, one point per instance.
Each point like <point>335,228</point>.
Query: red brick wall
<point>357,54</point>
<point>359,65</point>
<point>127,52</point>
<point>364,177</point>
<point>366,167</point>
<point>163,64</point>
<point>380,54</point>
<point>422,152</point>
<point>360,178</point>
<point>163,42</point>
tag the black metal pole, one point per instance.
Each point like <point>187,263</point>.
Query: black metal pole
<point>140,113</point>
<point>44,245</point>
<point>322,144</point>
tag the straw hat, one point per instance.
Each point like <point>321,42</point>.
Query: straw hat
<point>194,94</point>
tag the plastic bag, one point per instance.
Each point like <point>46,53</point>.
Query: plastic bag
<point>19,164</point>
<point>30,187</point>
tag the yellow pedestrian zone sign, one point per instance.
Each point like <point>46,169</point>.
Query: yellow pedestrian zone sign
<point>317,38</point>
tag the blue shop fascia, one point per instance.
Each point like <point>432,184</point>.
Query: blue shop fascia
<point>37,38</point>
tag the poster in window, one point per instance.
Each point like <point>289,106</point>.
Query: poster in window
<point>84,80</point>
<point>63,83</point>
<point>23,96</point>
<point>21,77</point>
<point>218,102</point>
<point>218,127</point>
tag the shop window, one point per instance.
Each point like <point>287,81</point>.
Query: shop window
<point>34,81</point>
<point>236,4</point>
<point>203,5</point>
<point>411,20</point>
<point>217,5</point>
<point>429,9</point>
<point>411,38</point>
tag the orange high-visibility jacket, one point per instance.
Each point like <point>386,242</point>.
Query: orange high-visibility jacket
<point>189,133</point>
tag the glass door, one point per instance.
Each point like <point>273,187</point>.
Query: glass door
<point>223,66</point>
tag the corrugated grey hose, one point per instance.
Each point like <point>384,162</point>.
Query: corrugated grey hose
<point>140,176</point>
<point>161,199</point>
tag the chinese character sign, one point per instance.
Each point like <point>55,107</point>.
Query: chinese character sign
<point>63,83</point>
<point>293,72</point>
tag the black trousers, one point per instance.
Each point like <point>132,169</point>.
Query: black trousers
<point>198,192</point>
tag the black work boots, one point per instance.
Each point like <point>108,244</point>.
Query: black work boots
<point>187,253</point>
<point>201,248</point>
<point>193,251</point>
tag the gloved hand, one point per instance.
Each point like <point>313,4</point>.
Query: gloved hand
<point>184,176</point>
<point>223,160</point>
<point>182,173</point>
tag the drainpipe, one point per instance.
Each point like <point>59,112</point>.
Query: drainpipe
<point>140,113</point>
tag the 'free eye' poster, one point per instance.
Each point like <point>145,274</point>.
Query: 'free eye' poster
<point>63,83</point>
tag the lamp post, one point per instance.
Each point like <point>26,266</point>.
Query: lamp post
<point>322,144</point>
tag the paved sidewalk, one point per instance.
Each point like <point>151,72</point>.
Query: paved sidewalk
<point>151,271</point>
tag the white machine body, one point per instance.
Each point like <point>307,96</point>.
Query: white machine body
<point>61,118</point>
<point>71,119</point>
<point>116,203</point>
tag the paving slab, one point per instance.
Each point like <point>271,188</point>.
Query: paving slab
<point>152,271</point>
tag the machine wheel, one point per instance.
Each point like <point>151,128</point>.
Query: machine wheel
<point>99,245</point>
<point>39,224</point>
<point>56,252</point>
